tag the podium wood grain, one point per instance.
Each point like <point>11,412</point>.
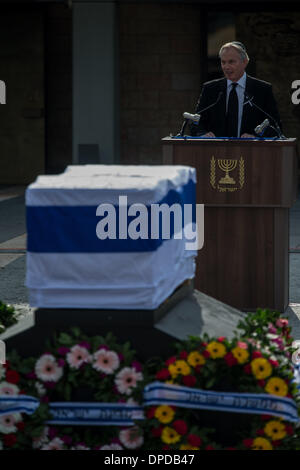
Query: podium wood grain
<point>245,260</point>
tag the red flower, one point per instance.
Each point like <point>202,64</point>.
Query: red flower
<point>260,432</point>
<point>209,448</point>
<point>289,429</point>
<point>247,369</point>
<point>276,443</point>
<point>248,443</point>
<point>180,426</point>
<point>266,417</point>
<point>230,359</point>
<point>171,360</point>
<point>256,354</point>
<point>12,376</point>
<point>204,345</point>
<point>206,353</point>
<point>189,380</point>
<point>150,412</point>
<point>273,363</point>
<point>9,440</point>
<point>183,355</point>
<point>198,369</point>
<point>156,432</point>
<point>21,426</point>
<point>194,440</point>
<point>221,339</point>
<point>261,383</point>
<point>163,374</point>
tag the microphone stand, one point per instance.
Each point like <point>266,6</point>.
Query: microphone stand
<point>181,133</point>
<point>276,128</point>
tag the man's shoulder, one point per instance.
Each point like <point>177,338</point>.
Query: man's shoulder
<point>217,83</point>
<point>259,83</point>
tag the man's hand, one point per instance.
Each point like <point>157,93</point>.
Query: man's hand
<point>247,136</point>
<point>209,134</point>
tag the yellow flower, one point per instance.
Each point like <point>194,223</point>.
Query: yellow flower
<point>195,359</point>
<point>216,349</point>
<point>275,430</point>
<point>169,435</point>
<point>187,447</point>
<point>277,386</point>
<point>179,367</point>
<point>260,443</point>
<point>164,414</point>
<point>240,354</point>
<point>261,368</point>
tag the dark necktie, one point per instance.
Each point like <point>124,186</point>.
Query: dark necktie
<point>232,113</point>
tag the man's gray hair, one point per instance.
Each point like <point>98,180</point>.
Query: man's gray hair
<point>238,46</point>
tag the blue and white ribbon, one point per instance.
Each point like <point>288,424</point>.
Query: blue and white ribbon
<point>95,414</point>
<point>158,393</point>
<point>18,404</point>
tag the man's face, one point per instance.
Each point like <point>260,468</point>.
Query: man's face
<point>232,65</point>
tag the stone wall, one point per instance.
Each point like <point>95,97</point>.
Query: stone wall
<point>273,43</point>
<point>160,74</point>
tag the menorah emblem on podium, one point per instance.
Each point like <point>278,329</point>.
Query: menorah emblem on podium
<point>227,166</point>
<point>227,183</point>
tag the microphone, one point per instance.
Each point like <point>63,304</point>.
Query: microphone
<point>276,128</point>
<point>192,117</point>
<point>260,129</point>
<point>196,117</point>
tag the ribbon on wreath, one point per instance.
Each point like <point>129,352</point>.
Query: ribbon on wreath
<point>158,393</point>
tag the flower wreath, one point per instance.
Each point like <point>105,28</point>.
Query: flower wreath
<point>74,368</point>
<point>220,364</point>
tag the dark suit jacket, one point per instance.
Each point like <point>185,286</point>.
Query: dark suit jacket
<point>214,118</point>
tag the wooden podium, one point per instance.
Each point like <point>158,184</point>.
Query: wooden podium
<point>247,188</point>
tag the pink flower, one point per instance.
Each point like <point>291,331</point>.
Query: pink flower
<point>85,344</point>
<point>282,322</point>
<point>103,346</point>
<point>272,329</point>
<point>131,438</point>
<point>242,345</point>
<point>78,356</point>
<point>137,366</point>
<point>47,369</point>
<point>63,351</point>
<point>7,388</point>
<point>55,444</point>
<point>106,361</point>
<point>8,423</point>
<point>31,375</point>
<point>61,362</point>
<point>127,379</point>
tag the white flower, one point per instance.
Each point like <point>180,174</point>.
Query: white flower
<point>127,379</point>
<point>77,356</point>
<point>106,361</point>
<point>8,423</point>
<point>55,444</point>
<point>47,369</point>
<point>80,447</point>
<point>42,439</point>
<point>7,388</point>
<point>111,447</point>
<point>2,371</point>
<point>40,389</point>
<point>131,438</point>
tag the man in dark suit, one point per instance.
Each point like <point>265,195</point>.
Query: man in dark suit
<point>234,114</point>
